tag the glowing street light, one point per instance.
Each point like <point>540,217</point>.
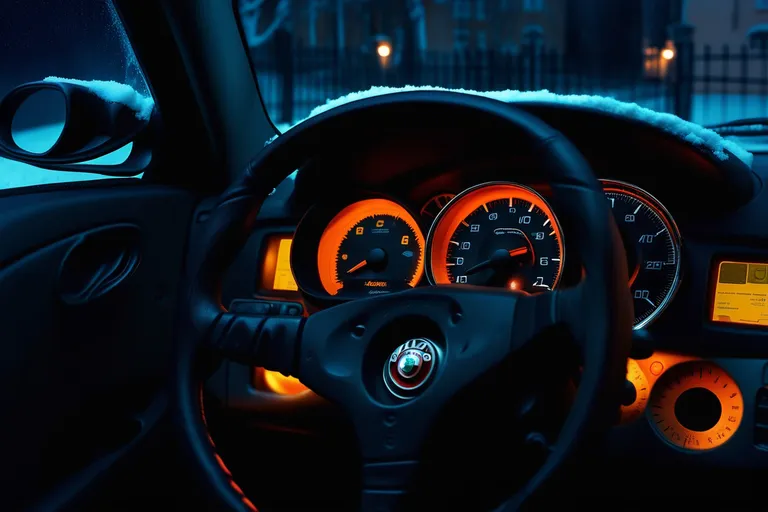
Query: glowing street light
<point>383,46</point>
<point>667,54</point>
<point>384,49</point>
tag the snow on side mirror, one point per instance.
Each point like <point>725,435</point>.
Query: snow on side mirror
<point>91,118</point>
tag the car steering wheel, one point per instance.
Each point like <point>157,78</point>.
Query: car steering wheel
<point>337,352</point>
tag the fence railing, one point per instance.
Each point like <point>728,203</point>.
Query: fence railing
<point>699,85</point>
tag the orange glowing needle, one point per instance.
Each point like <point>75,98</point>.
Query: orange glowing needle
<point>357,267</point>
<point>518,251</point>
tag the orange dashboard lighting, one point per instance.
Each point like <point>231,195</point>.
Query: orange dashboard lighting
<point>276,273</point>
<point>695,405</point>
<point>741,293</point>
<point>345,223</point>
<point>282,385</point>
<point>467,204</point>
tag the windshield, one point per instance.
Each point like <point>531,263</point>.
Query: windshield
<point>703,60</point>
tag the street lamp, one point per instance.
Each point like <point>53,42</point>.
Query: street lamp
<point>667,54</point>
<point>383,47</point>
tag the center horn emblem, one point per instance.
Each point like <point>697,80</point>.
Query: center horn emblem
<point>410,367</point>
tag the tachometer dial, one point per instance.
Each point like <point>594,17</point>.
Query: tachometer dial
<point>652,243</point>
<point>497,234</point>
<point>696,405</point>
<point>372,246</point>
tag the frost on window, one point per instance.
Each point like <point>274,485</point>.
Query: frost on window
<point>77,39</point>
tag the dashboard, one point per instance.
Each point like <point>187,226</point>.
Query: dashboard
<point>697,254</point>
<point>498,234</point>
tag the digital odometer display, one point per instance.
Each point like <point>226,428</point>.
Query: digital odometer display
<point>652,243</point>
<point>741,293</point>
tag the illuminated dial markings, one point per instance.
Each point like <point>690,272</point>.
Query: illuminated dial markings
<point>379,253</point>
<point>497,234</point>
<point>505,243</point>
<point>432,207</point>
<point>637,378</point>
<point>370,247</point>
<point>652,244</point>
<point>696,406</point>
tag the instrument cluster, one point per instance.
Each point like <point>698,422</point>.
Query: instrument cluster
<point>499,234</point>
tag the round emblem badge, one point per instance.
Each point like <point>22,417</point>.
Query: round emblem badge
<point>409,367</point>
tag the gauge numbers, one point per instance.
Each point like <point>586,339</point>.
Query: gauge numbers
<point>371,247</point>
<point>652,244</point>
<point>497,234</point>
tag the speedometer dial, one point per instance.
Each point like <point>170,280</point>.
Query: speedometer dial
<point>371,247</point>
<point>652,243</point>
<point>497,234</point>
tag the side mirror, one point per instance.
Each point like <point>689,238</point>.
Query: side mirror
<point>91,119</point>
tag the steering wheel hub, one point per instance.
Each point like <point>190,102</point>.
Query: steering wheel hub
<point>410,367</point>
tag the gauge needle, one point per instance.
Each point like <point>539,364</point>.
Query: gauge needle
<point>497,258</point>
<point>358,266</point>
<point>518,252</point>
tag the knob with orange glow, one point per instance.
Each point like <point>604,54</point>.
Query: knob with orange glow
<point>696,406</point>
<point>370,247</point>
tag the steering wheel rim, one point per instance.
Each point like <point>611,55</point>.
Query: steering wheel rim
<point>600,303</point>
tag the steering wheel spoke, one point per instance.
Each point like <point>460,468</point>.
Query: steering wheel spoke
<point>537,314</point>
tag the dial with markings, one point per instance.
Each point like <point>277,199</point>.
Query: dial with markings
<point>652,243</point>
<point>370,247</point>
<point>639,381</point>
<point>498,234</point>
<point>696,406</point>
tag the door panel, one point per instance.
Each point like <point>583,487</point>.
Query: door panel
<point>88,289</point>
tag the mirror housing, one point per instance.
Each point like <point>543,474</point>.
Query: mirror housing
<point>93,127</point>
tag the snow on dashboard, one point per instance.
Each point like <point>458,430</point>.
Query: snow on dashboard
<point>691,132</point>
<point>114,92</point>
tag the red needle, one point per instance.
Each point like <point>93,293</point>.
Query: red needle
<point>518,251</point>
<point>357,267</point>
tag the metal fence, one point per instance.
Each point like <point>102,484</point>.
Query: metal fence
<point>705,87</point>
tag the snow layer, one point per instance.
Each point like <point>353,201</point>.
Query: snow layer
<point>691,132</point>
<point>114,92</point>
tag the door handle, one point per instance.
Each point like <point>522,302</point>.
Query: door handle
<point>99,261</point>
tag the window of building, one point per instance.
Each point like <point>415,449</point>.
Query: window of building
<point>533,5</point>
<point>482,41</point>
<point>533,35</point>
<point>462,9</point>
<point>757,37</point>
<point>460,38</point>
<point>480,10</point>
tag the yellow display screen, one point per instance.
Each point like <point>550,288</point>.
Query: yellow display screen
<point>741,293</point>
<point>276,268</point>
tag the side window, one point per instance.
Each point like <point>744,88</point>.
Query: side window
<point>76,39</point>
